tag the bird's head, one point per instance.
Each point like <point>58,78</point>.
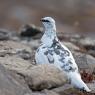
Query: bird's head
<point>49,23</point>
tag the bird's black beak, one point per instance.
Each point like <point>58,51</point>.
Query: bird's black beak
<point>42,20</point>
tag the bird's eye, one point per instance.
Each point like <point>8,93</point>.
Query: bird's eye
<point>44,20</point>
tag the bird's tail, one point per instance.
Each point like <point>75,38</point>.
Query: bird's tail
<point>77,82</point>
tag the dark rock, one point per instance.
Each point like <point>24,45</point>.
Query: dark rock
<point>91,52</point>
<point>30,31</point>
<point>9,35</point>
<point>24,54</point>
<point>4,34</point>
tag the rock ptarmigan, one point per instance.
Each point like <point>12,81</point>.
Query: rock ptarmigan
<point>51,51</point>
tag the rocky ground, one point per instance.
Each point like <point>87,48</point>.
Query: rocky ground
<point>19,74</point>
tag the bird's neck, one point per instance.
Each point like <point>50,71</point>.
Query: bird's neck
<point>48,37</point>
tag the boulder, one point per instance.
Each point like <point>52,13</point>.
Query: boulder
<point>10,86</point>
<point>44,76</point>
<point>15,55</point>
<point>15,48</point>
<point>84,61</point>
<point>15,63</point>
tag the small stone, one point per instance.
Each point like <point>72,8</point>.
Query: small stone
<point>24,54</point>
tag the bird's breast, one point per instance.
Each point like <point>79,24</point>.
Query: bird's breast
<point>44,55</point>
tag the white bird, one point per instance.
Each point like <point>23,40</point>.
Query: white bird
<point>51,51</point>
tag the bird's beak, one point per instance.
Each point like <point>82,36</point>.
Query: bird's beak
<point>42,20</point>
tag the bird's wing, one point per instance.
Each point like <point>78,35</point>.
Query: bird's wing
<point>67,60</point>
<point>69,65</point>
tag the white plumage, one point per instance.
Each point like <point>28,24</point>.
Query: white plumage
<point>51,51</point>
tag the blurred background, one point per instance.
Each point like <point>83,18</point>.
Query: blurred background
<point>72,16</point>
